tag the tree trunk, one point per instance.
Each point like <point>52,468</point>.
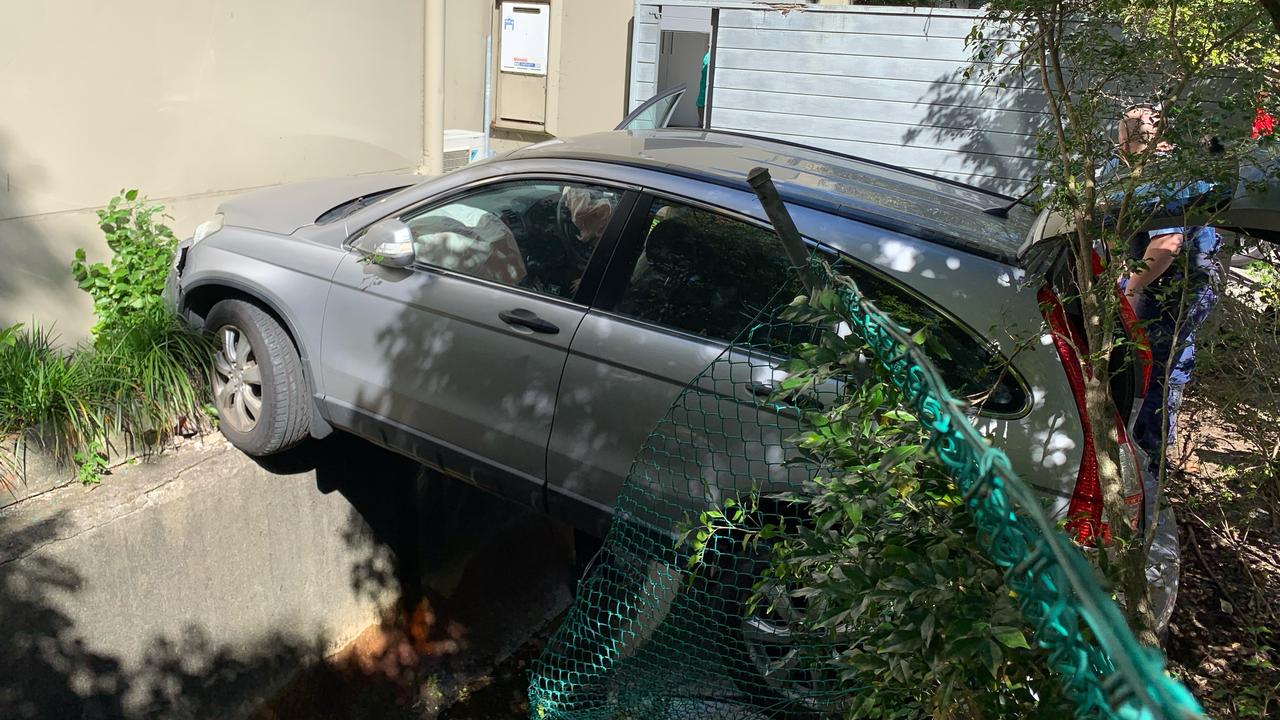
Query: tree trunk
<point>1098,305</point>
<point>1273,9</point>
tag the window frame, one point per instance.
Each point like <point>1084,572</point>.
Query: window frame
<point>596,264</point>
<point>626,253</point>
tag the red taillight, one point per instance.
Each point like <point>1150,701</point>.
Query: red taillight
<point>1129,319</point>
<point>1085,510</point>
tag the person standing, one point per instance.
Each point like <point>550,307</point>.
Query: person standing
<point>1172,293</point>
<point>702,90</point>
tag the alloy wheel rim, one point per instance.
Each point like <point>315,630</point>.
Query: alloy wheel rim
<point>237,380</point>
<point>774,642</point>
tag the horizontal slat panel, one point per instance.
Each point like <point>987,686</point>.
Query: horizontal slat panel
<point>646,53</point>
<point>888,68</point>
<point>647,32</point>
<point>883,133</point>
<point>645,72</point>
<point>642,91</point>
<point>877,89</point>
<point>914,24</point>
<point>1019,124</point>
<point>903,46</point>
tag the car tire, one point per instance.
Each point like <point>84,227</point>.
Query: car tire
<point>259,387</point>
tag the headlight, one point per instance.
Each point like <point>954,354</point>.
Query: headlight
<point>207,228</point>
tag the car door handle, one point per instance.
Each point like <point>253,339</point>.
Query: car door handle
<point>526,319</point>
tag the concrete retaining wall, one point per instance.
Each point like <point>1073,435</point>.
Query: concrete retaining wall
<point>196,585</point>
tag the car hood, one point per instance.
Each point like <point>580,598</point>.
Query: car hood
<point>285,208</point>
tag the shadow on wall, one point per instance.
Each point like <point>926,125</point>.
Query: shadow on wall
<point>995,128</point>
<point>455,572</point>
<point>30,260</point>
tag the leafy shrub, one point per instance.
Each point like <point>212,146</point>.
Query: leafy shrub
<point>160,370</point>
<point>57,396</point>
<point>131,285</point>
<point>143,372</point>
<point>882,561</point>
<point>1235,371</point>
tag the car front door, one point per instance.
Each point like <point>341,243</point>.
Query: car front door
<point>457,359</point>
<point>654,113</point>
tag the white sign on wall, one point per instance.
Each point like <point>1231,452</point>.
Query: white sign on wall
<point>526,35</point>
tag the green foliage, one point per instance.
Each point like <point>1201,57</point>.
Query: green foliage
<point>57,396</point>
<point>1209,64</point>
<point>135,384</point>
<point>1260,700</point>
<point>143,372</point>
<point>162,369</point>
<point>1237,375</point>
<point>131,284</point>
<point>884,561</point>
<point>91,464</point>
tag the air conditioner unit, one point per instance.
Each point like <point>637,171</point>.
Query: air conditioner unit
<point>461,147</point>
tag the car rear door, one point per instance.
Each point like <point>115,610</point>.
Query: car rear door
<point>684,282</point>
<point>457,360</point>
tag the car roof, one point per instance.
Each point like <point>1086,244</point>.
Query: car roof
<point>935,209</point>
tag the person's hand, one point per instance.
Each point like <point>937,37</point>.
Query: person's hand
<point>1127,289</point>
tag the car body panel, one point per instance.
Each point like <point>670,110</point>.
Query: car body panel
<point>285,208</point>
<point>622,375</point>
<point>290,275</point>
<point>426,349</point>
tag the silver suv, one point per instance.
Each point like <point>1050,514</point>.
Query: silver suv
<point>523,323</point>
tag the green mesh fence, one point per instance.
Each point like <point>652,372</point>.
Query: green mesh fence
<point>651,636</point>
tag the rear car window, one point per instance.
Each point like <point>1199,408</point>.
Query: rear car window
<point>713,276</point>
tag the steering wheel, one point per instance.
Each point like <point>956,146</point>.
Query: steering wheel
<point>564,221</point>
<point>567,229</point>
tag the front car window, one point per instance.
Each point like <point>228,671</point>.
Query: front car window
<point>533,235</point>
<point>713,276</point>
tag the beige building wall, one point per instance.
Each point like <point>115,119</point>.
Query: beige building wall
<point>468,24</point>
<point>593,65</point>
<point>190,102</point>
<point>194,102</point>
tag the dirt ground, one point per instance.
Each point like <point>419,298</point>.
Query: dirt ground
<point>1222,640</point>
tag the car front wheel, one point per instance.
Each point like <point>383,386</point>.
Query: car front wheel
<point>258,385</point>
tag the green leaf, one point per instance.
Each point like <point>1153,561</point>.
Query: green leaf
<point>926,627</point>
<point>1013,639</point>
<point>131,195</point>
<point>854,513</point>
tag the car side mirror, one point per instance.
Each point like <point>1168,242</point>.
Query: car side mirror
<point>388,243</point>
